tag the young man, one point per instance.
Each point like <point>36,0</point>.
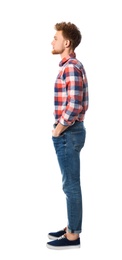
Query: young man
<point>69,133</point>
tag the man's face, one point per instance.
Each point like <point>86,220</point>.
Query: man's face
<point>58,43</point>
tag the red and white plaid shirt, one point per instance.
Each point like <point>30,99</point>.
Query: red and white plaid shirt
<point>70,92</point>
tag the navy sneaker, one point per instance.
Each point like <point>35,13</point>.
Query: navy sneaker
<point>63,243</point>
<point>55,235</point>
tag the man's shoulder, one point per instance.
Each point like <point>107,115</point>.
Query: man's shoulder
<point>75,62</point>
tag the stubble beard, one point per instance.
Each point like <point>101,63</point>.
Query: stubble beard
<point>55,52</point>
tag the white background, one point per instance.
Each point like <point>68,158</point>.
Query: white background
<point>31,199</point>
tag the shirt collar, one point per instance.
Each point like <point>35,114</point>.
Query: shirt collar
<point>65,59</point>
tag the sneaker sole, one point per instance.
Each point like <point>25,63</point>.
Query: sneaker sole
<point>62,247</point>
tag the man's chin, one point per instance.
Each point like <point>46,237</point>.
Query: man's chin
<point>54,52</point>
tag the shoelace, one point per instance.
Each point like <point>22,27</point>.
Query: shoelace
<point>63,236</point>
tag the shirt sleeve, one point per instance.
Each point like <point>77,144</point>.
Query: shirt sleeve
<point>74,86</point>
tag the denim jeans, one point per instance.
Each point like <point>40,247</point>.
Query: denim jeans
<point>68,147</point>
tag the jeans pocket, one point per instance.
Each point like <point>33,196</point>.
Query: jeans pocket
<point>78,139</point>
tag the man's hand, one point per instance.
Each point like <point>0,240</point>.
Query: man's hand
<point>58,130</point>
<point>54,133</point>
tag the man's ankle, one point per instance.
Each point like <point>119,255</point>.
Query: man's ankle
<point>72,236</point>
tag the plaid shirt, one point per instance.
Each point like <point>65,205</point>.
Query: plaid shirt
<point>70,92</point>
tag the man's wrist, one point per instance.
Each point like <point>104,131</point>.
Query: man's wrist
<point>60,128</point>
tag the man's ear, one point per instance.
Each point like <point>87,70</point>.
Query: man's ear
<point>67,43</point>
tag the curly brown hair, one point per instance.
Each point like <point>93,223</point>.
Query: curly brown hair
<point>71,32</point>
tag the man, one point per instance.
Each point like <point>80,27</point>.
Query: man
<point>69,133</point>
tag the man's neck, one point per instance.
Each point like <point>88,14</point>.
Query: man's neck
<point>66,53</point>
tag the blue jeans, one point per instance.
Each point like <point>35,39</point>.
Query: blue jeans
<point>68,147</point>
